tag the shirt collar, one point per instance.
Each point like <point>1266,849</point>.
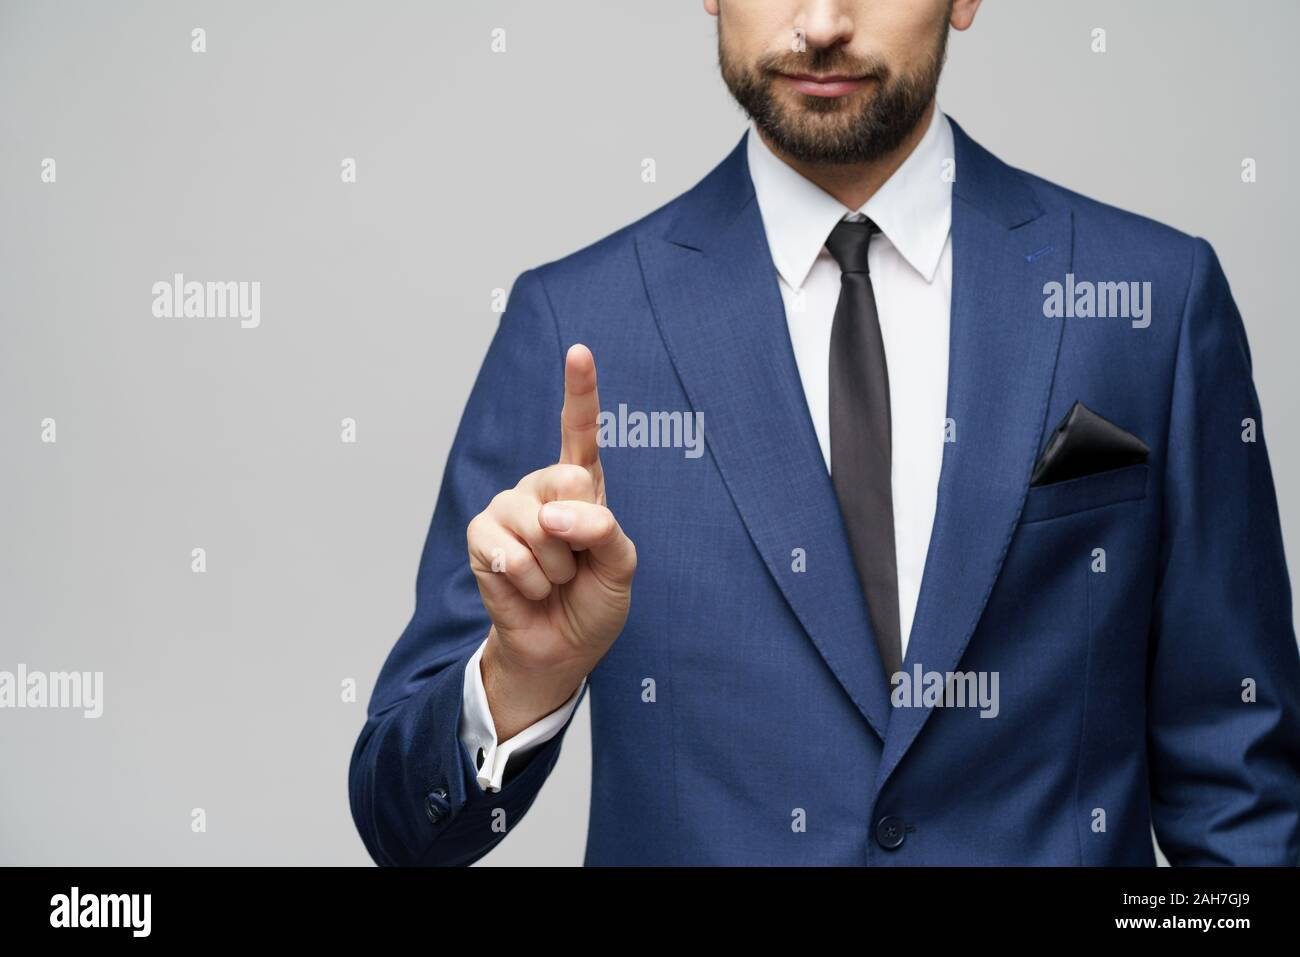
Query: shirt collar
<point>913,208</point>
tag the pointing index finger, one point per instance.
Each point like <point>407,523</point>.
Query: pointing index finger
<point>579,418</point>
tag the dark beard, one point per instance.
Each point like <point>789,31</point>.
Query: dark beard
<point>826,129</point>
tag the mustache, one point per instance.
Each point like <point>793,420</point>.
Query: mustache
<point>824,61</point>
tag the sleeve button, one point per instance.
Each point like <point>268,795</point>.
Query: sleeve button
<point>436,807</point>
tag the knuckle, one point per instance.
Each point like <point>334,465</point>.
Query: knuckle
<point>531,479</point>
<point>515,562</point>
<point>533,534</point>
<point>523,571</point>
<point>535,587</point>
<point>571,481</point>
<point>535,538</point>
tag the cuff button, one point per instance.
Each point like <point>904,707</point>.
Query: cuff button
<point>436,807</point>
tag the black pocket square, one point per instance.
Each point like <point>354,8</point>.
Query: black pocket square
<point>1084,444</point>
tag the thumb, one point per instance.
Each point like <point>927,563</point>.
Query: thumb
<point>590,527</point>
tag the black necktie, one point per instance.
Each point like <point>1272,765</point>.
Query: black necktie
<point>860,436</point>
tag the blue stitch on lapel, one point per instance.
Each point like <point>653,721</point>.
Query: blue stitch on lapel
<point>1038,254</point>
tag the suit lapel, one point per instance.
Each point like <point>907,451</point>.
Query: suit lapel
<point>714,293</point>
<point>1001,363</point>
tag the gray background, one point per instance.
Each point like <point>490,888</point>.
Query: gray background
<point>223,689</point>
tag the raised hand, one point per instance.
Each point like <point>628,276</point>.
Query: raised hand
<point>554,568</point>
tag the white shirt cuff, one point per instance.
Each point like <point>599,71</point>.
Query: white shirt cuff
<point>479,733</point>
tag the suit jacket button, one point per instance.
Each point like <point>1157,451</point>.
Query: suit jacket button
<point>436,806</point>
<point>889,832</point>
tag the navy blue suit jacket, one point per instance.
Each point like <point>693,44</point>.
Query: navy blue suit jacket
<point>1125,695</point>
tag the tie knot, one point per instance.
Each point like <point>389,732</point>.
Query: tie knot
<point>848,243</point>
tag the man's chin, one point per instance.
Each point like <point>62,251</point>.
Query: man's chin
<point>809,134</point>
<point>818,119</point>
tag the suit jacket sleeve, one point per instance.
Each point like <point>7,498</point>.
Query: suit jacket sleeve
<point>413,786</point>
<point>1224,769</point>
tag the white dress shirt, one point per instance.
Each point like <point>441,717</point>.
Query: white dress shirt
<point>479,732</point>
<point>911,276</point>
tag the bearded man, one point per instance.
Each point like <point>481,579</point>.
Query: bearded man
<point>955,578</point>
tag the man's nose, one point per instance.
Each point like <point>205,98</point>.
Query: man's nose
<point>824,23</point>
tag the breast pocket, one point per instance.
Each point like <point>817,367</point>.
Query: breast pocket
<point>1087,492</point>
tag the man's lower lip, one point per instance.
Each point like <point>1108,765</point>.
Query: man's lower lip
<point>827,88</point>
